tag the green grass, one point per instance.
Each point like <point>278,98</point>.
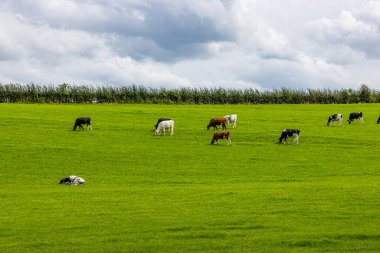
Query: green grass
<point>147,193</point>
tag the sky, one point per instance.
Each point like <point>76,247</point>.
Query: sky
<point>233,44</point>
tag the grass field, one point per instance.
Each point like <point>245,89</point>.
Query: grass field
<point>147,193</point>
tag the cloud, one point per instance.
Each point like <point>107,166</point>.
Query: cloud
<point>357,30</point>
<point>228,43</point>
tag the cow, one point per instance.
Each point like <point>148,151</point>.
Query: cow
<point>356,115</point>
<point>159,120</point>
<point>221,135</point>
<point>231,119</point>
<point>378,120</point>
<point>81,121</point>
<point>289,133</point>
<point>72,180</point>
<point>163,125</point>
<point>335,117</point>
<point>215,122</point>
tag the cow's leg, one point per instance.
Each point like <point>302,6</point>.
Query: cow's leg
<point>296,138</point>
<point>89,127</point>
<point>81,127</point>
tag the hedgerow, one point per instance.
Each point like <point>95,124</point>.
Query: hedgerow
<point>65,93</point>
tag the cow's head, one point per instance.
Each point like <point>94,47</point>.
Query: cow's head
<point>329,121</point>
<point>63,180</point>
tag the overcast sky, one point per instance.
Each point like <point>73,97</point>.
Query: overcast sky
<point>199,43</point>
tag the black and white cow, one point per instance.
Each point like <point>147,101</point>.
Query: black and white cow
<point>159,120</point>
<point>81,121</point>
<point>286,133</point>
<point>72,180</point>
<point>356,115</point>
<point>378,120</point>
<point>335,117</point>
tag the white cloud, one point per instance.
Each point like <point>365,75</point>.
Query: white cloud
<point>348,30</point>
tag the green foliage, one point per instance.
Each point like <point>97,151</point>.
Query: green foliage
<point>65,93</point>
<point>147,193</point>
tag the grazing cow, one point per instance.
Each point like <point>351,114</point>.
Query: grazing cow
<point>289,133</point>
<point>356,115</point>
<point>378,120</point>
<point>231,119</point>
<point>80,121</point>
<point>159,120</point>
<point>72,180</point>
<point>335,117</point>
<point>221,135</point>
<point>163,125</point>
<point>215,122</point>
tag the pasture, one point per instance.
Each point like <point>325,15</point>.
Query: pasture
<point>147,193</point>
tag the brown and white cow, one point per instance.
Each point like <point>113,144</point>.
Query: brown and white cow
<point>215,122</point>
<point>221,135</point>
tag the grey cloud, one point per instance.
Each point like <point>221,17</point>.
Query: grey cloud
<point>168,33</point>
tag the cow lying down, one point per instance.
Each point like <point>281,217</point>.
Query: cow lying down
<point>72,180</point>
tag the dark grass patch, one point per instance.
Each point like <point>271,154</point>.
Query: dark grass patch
<point>308,244</point>
<point>246,227</point>
<point>206,235</point>
<point>359,237</point>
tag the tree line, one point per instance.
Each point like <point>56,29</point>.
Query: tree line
<point>65,93</point>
